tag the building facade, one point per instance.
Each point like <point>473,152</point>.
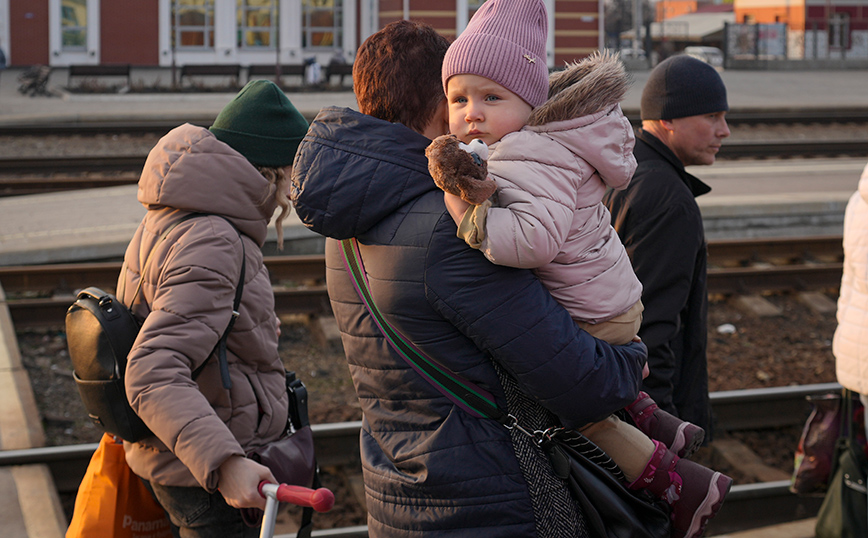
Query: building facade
<point>246,32</point>
<point>816,29</point>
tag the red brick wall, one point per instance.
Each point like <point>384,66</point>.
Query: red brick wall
<point>577,31</point>
<point>129,32</point>
<point>438,13</point>
<point>28,32</point>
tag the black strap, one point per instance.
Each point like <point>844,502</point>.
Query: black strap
<point>221,344</point>
<point>220,347</point>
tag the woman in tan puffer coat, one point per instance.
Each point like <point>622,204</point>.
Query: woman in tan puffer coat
<point>235,175</point>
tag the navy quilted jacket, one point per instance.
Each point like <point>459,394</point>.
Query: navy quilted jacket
<point>430,468</point>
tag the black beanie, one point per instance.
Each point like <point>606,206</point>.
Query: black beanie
<point>261,124</point>
<point>682,86</point>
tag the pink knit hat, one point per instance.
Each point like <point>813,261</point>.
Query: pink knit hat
<point>505,42</point>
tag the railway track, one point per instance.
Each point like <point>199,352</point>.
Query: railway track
<point>15,167</point>
<point>337,445</point>
<point>298,288</point>
<point>40,295</point>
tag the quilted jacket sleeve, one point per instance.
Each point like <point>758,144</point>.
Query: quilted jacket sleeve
<point>533,216</point>
<point>574,375</point>
<point>190,309</point>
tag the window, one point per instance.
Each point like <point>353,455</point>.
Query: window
<point>322,25</point>
<point>839,31</point>
<point>193,22</point>
<point>257,24</point>
<point>73,21</point>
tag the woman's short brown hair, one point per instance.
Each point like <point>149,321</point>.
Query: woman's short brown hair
<point>396,74</point>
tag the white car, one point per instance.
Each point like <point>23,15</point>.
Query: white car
<point>710,55</point>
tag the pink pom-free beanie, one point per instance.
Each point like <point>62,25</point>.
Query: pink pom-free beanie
<point>505,41</point>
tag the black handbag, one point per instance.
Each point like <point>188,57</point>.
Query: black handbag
<point>595,481</point>
<point>610,508</point>
<point>843,513</point>
<point>291,458</point>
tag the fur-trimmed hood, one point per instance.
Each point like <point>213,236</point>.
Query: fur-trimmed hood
<point>551,177</point>
<point>586,87</point>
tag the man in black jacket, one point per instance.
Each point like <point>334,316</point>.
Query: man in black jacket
<point>683,111</point>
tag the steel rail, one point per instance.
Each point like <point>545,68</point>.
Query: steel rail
<point>783,278</point>
<point>298,279</point>
<point>776,407</point>
<point>727,252</point>
<point>19,186</point>
<point>747,506</point>
<point>74,276</point>
<point>745,409</point>
<point>723,252</point>
<point>730,150</point>
<point>336,444</point>
<point>49,312</point>
<point>792,148</point>
<point>67,164</point>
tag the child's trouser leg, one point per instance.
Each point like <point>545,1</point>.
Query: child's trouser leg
<point>681,437</point>
<point>694,492</point>
<point>627,446</point>
<point>619,330</point>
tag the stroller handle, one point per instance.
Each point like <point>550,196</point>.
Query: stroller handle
<point>321,500</point>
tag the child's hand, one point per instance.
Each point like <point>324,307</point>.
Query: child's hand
<point>458,172</point>
<point>645,370</point>
<point>456,207</point>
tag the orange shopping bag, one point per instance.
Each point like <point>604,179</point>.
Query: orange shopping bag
<point>112,502</point>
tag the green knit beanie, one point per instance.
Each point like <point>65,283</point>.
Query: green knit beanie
<point>261,124</point>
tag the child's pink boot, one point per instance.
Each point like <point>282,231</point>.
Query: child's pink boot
<point>694,492</point>
<point>680,436</point>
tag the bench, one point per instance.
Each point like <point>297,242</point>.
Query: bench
<point>211,70</point>
<point>97,71</point>
<point>270,70</point>
<point>341,70</point>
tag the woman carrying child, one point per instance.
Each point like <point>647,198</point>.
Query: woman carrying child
<point>556,144</point>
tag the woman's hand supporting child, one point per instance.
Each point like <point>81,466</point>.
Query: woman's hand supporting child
<point>456,206</point>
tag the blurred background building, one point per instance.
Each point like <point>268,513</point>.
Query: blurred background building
<point>246,32</point>
<point>163,33</point>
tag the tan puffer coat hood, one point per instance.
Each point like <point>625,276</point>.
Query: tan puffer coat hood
<point>186,297</point>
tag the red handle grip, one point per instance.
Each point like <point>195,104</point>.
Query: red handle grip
<point>321,500</point>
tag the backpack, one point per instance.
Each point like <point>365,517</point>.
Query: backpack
<point>100,332</point>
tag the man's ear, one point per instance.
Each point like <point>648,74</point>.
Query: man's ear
<point>668,125</point>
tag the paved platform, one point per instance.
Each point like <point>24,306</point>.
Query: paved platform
<point>29,504</point>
